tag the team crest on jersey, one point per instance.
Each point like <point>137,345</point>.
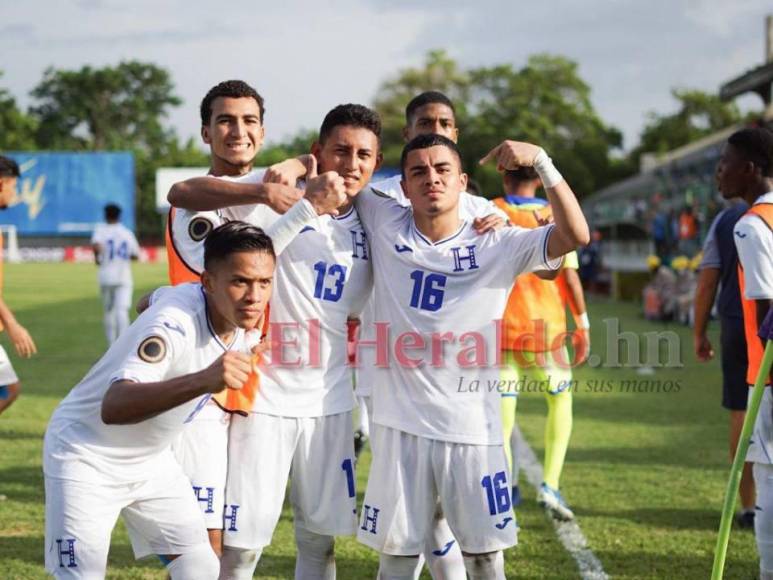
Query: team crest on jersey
<point>199,228</point>
<point>152,349</point>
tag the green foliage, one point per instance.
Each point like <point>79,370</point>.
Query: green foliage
<point>115,108</point>
<point>545,102</point>
<point>699,114</point>
<point>17,129</point>
<point>300,144</point>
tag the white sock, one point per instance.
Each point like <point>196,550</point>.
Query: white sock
<point>489,566</point>
<point>316,555</point>
<point>238,564</point>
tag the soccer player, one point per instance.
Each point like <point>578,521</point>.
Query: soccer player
<point>534,336</point>
<point>746,170</point>
<point>430,112</point>
<point>301,423</point>
<point>114,247</point>
<point>232,115</point>
<point>107,445</point>
<point>719,268</point>
<point>22,341</point>
<point>441,288</point>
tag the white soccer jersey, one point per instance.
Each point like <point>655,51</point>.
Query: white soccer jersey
<point>441,305</point>
<point>322,277</point>
<point>470,208</point>
<point>171,338</point>
<point>754,241</point>
<point>118,246</point>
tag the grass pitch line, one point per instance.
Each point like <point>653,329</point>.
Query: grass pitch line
<point>569,533</point>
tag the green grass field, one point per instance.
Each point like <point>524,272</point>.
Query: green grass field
<point>645,472</point>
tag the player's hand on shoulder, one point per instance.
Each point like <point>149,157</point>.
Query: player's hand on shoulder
<point>326,192</point>
<point>289,171</point>
<point>22,340</point>
<point>510,155</point>
<point>231,370</point>
<point>488,223</point>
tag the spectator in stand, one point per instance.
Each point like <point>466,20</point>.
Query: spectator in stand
<point>688,232</point>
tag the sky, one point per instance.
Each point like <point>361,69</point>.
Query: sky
<point>305,58</point>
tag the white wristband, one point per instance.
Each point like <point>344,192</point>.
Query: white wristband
<point>582,321</point>
<point>547,172</point>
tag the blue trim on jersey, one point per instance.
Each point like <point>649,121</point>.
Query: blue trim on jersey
<point>521,200</point>
<point>448,239</point>
<point>212,330</point>
<point>346,215</point>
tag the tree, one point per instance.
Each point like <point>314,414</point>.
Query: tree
<point>17,129</point>
<point>115,108</point>
<point>102,109</point>
<point>699,114</point>
<point>545,102</point>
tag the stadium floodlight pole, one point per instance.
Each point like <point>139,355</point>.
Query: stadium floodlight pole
<point>720,552</point>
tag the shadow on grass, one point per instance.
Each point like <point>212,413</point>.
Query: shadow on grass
<point>624,564</point>
<point>662,518</point>
<point>22,484</point>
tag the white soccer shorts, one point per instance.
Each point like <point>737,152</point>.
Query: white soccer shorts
<point>160,513</point>
<point>202,451</point>
<point>410,474</point>
<point>7,374</point>
<point>316,453</point>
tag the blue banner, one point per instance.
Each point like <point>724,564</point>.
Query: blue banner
<point>65,193</point>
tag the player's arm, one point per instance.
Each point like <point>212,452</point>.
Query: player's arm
<point>571,289</point>
<point>97,249</point>
<point>571,228</point>
<point>127,402</point>
<point>21,339</point>
<point>211,193</point>
<point>324,194</point>
<point>289,171</point>
<point>705,293</point>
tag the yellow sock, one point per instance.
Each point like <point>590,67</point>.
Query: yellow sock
<point>558,430</point>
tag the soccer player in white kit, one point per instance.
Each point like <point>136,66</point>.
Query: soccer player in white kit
<point>301,423</point>
<point>441,288</point>
<point>115,246</point>
<point>430,112</point>
<point>107,445</point>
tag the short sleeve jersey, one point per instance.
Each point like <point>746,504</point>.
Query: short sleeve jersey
<point>754,242</point>
<point>118,246</point>
<point>470,208</point>
<point>440,305</point>
<point>172,338</point>
<point>323,277</point>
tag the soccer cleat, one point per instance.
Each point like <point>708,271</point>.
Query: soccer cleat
<point>360,439</point>
<point>516,496</point>
<point>745,520</point>
<point>551,500</point>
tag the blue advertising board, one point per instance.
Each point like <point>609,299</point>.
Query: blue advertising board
<point>65,193</point>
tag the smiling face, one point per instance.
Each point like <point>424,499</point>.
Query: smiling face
<point>239,287</point>
<point>352,152</point>
<point>433,180</point>
<point>432,118</point>
<point>234,134</point>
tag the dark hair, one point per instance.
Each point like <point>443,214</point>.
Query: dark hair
<point>350,115</point>
<point>112,212</point>
<point>233,237</point>
<point>8,167</point>
<point>426,98</point>
<point>516,176</point>
<point>425,142</point>
<point>755,145</point>
<point>233,89</point>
